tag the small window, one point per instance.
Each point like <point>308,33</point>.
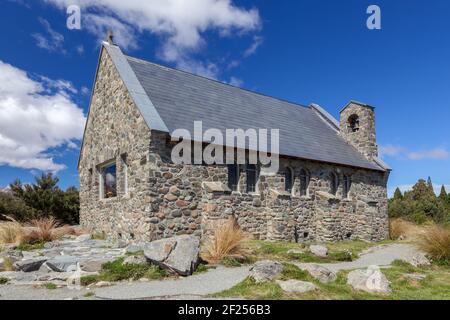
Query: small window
<point>108,176</point>
<point>347,185</point>
<point>125,173</point>
<point>288,180</point>
<point>304,183</point>
<point>334,183</point>
<point>233,177</point>
<point>353,123</point>
<point>251,172</point>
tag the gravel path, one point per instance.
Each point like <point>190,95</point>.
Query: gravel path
<point>202,284</point>
<point>381,256</point>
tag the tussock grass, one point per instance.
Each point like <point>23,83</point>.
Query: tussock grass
<point>227,243</point>
<point>403,229</point>
<point>11,232</point>
<point>435,241</point>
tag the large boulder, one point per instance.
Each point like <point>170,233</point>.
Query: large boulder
<point>63,263</point>
<point>296,286</point>
<point>319,272</point>
<point>179,254</point>
<point>29,265</point>
<point>266,270</point>
<point>319,251</point>
<point>136,260</point>
<point>371,280</point>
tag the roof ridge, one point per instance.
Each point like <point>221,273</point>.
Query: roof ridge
<point>220,82</point>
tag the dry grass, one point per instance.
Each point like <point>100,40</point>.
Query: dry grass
<point>405,230</point>
<point>436,242</point>
<point>11,232</point>
<point>226,243</point>
<point>38,230</point>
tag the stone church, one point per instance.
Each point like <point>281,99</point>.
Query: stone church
<point>330,185</point>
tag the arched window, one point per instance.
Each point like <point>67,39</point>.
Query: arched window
<point>288,180</point>
<point>334,183</point>
<point>233,177</point>
<point>304,182</point>
<point>347,185</point>
<point>252,177</point>
<point>353,123</point>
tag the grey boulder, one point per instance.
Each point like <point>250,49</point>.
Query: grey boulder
<point>139,260</point>
<point>319,251</point>
<point>29,265</point>
<point>371,280</point>
<point>179,254</point>
<point>63,263</point>
<point>266,270</point>
<point>296,286</point>
<point>418,260</point>
<point>319,272</point>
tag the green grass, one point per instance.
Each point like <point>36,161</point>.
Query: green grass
<point>117,271</point>
<point>3,281</point>
<point>89,295</point>
<point>31,246</point>
<point>50,286</point>
<point>436,286</point>
<point>337,252</point>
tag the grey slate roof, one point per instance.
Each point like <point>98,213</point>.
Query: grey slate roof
<point>180,98</point>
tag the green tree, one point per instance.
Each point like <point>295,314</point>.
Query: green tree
<point>443,196</point>
<point>398,195</point>
<point>430,184</point>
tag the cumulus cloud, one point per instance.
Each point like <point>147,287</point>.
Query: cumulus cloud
<point>180,23</point>
<point>36,115</point>
<point>403,153</point>
<point>51,41</point>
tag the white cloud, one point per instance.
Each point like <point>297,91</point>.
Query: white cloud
<point>435,154</point>
<point>80,49</point>
<point>257,42</point>
<point>180,23</point>
<point>36,115</point>
<point>403,153</point>
<point>52,41</point>
<point>236,82</point>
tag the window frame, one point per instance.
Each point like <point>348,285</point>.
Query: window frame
<point>124,159</point>
<point>289,172</point>
<point>237,176</point>
<point>247,185</point>
<point>347,185</point>
<point>334,183</point>
<point>101,171</point>
<point>304,190</point>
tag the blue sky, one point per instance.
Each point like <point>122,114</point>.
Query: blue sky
<point>304,51</point>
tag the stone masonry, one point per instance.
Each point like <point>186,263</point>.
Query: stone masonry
<point>163,199</point>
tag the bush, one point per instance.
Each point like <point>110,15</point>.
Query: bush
<point>227,243</point>
<point>15,207</point>
<point>435,241</point>
<point>400,228</point>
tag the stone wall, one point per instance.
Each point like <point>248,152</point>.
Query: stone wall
<point>165,199</point>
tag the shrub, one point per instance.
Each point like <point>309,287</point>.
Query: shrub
<point>3,281</point>
<point>117,271</point>
<point>435,241</point>
<point>15,207</point>
<point>226,243</point>
<point>42,230</point>
<point>11,232</point>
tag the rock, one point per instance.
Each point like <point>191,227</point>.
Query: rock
<point>370,280</point>
<point>266,270</point>
<point>415,276</point>
<point>63,263</point>
<point>94,264</point>
<point>319,251</point>
<point>2,264</point>
<point>12,255</point>
<point>103,284</point>
<point>320,273</point>
<point>179,254</point>
<point>134,248</point>
<point>295,251</point>
<point>170,197</point>
<point>296,286</point>
<point>418,260</point>
<point>140,260</point>
<point>29,265</point>
<point>83,237</point>
<point>174,190</point>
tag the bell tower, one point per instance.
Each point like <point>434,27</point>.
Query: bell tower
<point>357,126</point>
